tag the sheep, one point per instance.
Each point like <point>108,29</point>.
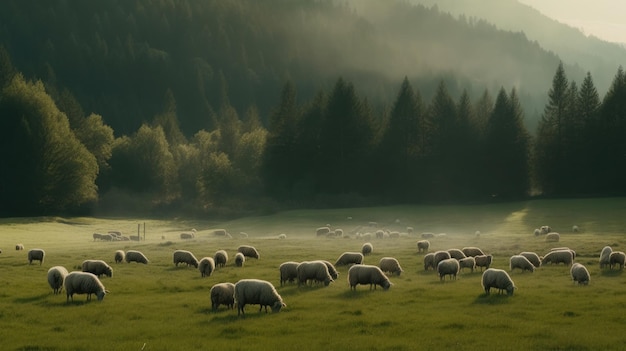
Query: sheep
<point>119,256</point>
<point>472,251</point>
<point>243,235</point>
<point>409,230</point>
<point>36,255</point>
<point>322,231</point>
<point>282,236</point>
<point>391,265</point>
<point>617,257</point>
<point>367,249</point>
<point>84,283</point>
<point>423,245</point>
<point>579,274</point>
<point>97,267</point>
<point>136,256</point>
<point>449,266</point>
<point>394,235</point>
<point>220,258</point>
<point>428,235</point>
<point>248,251</point>
<point>532,257</point>
<point>456,254</point>
<point>537,232</point>
<point>313,270</point>
<point>429,261</point>
<point>240,259</point>
<point>206,266</point>
<point>605,256</point>
<point>348,258</point>
<point>564,248</point>
<point>468,262</point>
<point>184,256</point>
<point>186,236</point>
<point>521,262</point>
<point>483,261</point>
<point>56,277</point>
<point>339,233</point>
<point>380,234</point>
<point>288,271</point>
<point>331,269</point>
<point>97,236</point>
<point>545,229</point>
<point>222,294</point>
<point>367,274</point>
<point>575,229</point>
<point>558,256</point>
<point>440,256</point>
<point>257,292</point>
<point>553,237</point>
<point>221,232</point>
<point>19,247</point>
<point>499,279</point>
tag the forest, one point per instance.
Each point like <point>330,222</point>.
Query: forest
<point>227,108</point>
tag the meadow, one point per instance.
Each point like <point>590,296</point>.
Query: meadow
<point>162,307</point>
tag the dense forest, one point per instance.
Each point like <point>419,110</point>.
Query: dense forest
<point>230,107</point>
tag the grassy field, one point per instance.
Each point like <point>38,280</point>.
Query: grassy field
<point>162,307</point>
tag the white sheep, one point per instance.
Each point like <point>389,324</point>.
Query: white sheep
<point>456,254</point>
<point>472,251</point>
<point>429,261</point>
<point>206,266</point>
<point>423,245</point>
<point>579,274</point>
<point>468,262</point>
<point>521,262</point>
<point>282,236</point>
<point>605,256</point>
<point>532,257</point>
<point>449,266</point>
<point>428,235</point>
<point>499,279</point>
<point>220,258</point>
<point>56,277</point>
<point>257,292</point>
<point>243,235</point>
<point>380,234</point>
<point>97,267</point>
<point>367,249</point>
<point>348,258</point>
<point>221,232</point>
<point>249,251</point>
<point>288,272</point>
<point>136,256</point>
<point>564,248</point>
<point>119,256</point>
<point>545,229</point>
<point>617,258</point>
<point>558,256</point>
<point>440,256</point>
<point>313,271</point>
<point>483,261</point>
<point>36,255</point>
<point>19,247</point>
<point>222,294</point>
<point>575,229</point>
<point>322,231</point>
<point>537,232</point>
<point>184,256</point>
<point>391,265</point>
<point>553,237</point>
<point>83,283</point>
<point>186,236</point>
<point>367,274</point>
<point>240,259</point>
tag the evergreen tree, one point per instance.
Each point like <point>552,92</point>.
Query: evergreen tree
<point>468,172</point>
<point>588,105</point>
<point>6,67</point>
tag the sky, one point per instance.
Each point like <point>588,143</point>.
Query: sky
<point>604,19</point>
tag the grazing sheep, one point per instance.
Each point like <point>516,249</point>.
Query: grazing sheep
<point>282,236</point>
<point>19,247</point>
<point>83,283</point>
<point>533,258</point>
<point>331,269</point>
<point>428,235</point>
<point>314,271</point>
<point>380,234</point>
<point>206,266</point>
<point>545,229</point>
<point>322,231</point>
<point>483,261</point>
<point>257,292</point>
<point>423,245</point>
<point>220,258</point>
<point>36,255</point>
<point>579,274</point>
<point>521,262</point>
<point>288,272</point>
<point>243,235</point>
<point>605,256</point>
<point>564,248</point>
<point>472,251</point>
<point>240,259</point>
<point>429,261</point>
<point>499,279</point>
<point>339,233</point>
<point>184,256</point>
<point>440,256</point>
<point>136,256</point>
<point>617,257</point>
<point>248,251</point>
<point>537,232</point>
<point>223,294</point>
<point>367,274</point>
<point>220,232</point>
<point>348,258</point>
<point>56,277</point>
<point>186,236</point>
<point>575,229</point>
<point>468,262</point>
<point>394,235</point>
<point>391,265</point>
<point>449,266</point>
<point>97,267</point>
<point>97,236</point>
<point>119,256</point>
<point>409,230</point>
<point>553,237</point>
<point>456,254</point>
<point>558,256</point>
<point>367,249</point>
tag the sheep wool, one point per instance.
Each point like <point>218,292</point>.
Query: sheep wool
<point>240,259</point>
<point>136,256</point>
<point>206,266</point>
<point>472,251</point>
<point>119,256</point>
<point>348,258</point>
<point>483,261</point>
<point>521,262</point>
<point>56,277</point>
<point>423,246</point>
<point>36,255</point>
<point>532,257</point>
<point>84,283</point>
<point>499,279</point>
<point>553,237</point>
<point>331,269</point>
<point>257,292</point>
<point>440,256</point>
<point>367,249</point>
<point>249,251</point>
<point>605,256</point>
<point>390,265</point>
<point>429,261</point>
<point>559,256</point>
<point>220,258</point>
<point>579,274</point>
<point>456,254</point>
<point>222,294</point>
<point>184,256</point>
<point>617,258</point>
<point>97,267</point>
<point>468,262</point>
<point>367,274</point>
<point>288,272</point>
<point>449,266</point>
<point>313,271</point>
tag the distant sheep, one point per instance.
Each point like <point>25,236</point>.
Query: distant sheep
<point>221,232</point>
<point>186,236</point>
<point>468,262</point>
<point>521,262</point>
<point>472,251</point>
<point>83,283</point>
<point>19,247</point>
<point>499,279</point>
<point>440,256</point>
<point>575,229</point>
<point>390,265</point>
<point>97,236</point>
<point>313,271</point>
<point>537,232</point>
<point>348,258</point>
<point>545,229</point>
<point>257,292</point>
<point>367,249</point>
<point>136,256</point>
<point>249,251</point>
<point>206,266</point>
<point>423,246</point>
<point>605,256</point>
<point>483,261</point>
<point>532,257</point>
<point>339,233</point>
<point>449,267</point>
<point>240,259</point>
<point>282,236</point>
<point>428,235</point>
<point>617,258</point>
<point>429,261</point>
<point>56,277</point>
<point>288,272</point>
<point>36,255</point>
<point>184,256</point>
<point>243,235</point>
<point>97,267</point>
<point>558,256</point>
<point>119,256</point>
<point>553,237</point>
<point>380,234</point>
<point>222,294</point>
<point>220,258</point>
<point>322,231</point>
<point>456,254</point>
<point>579,274</point>
<point>367,274</point>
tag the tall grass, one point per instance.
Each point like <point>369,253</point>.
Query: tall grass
<point>162,307</point>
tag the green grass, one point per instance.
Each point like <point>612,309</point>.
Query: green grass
<point>162,307</point>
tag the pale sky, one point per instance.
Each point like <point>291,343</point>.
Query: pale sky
<point>605,19</point>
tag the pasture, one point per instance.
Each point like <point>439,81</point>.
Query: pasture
<point>162,307</point>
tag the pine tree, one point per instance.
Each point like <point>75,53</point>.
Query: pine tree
<point>588,102</point>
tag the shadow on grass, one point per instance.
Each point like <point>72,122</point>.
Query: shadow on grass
<point>31,299</point>
<point>492,299</point>
<point>364,291</point>
<point>611,273</point>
